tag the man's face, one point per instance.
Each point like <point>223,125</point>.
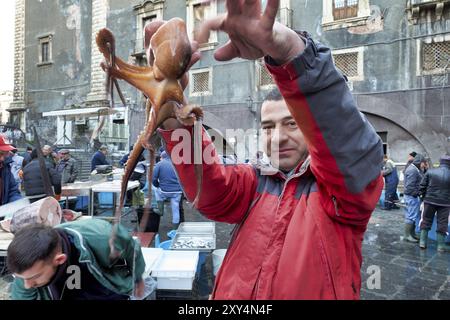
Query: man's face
<point>410,158</point>
<point>283,141</point>
<point>46,151</point>
<point>42,272</point>
<point>423,166</point>
<point>65,156</point>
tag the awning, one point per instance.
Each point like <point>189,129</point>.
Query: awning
<point>80,113</point>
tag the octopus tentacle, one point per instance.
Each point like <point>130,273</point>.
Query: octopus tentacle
<point>162,82</point>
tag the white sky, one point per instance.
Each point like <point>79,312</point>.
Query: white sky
<point>7,45</point>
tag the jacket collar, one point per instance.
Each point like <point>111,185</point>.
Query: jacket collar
<point>301,168</point>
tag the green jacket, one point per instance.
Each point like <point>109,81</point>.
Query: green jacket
<point>91,239</point>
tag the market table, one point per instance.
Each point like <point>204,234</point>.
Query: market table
<point>79,189</point>
<point>113,187</point>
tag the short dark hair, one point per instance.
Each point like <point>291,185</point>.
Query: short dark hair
<point>34,154</point>
<point>29,148</point>
<point>274,95</point>
<point>33,243</point>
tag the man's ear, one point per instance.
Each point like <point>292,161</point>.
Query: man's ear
<point>59,259</point>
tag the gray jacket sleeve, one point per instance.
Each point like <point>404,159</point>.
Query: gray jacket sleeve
<point>388,168</point>
<point>424,185</point>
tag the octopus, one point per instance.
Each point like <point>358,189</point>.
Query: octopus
<point>162,82</point>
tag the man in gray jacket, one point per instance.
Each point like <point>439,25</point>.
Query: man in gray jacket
<point>413,177</point>
<point>67,167</point>
<point>435,191</point>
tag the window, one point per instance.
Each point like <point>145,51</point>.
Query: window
<point>345,13</point>
<point>436,57</point>
<point>263,77</point>
<point>200,82</point>
<point>147,20</point>
<point>383,137</point>
<point>347,63</point>
<point>146,13</point>
<point>344,9</point>
<point>45,53</point>
<point>45,50</point>
<point>199,11</point>
<point>284,14</point>
<point>350,62</point>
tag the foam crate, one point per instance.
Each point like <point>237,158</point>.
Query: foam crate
<point>151,256</point>
<point>197,227</point>
<point>174,295</point>
<point>184,237</point>
<point>175,270</point>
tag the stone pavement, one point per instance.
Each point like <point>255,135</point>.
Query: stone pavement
<point>406,272</point>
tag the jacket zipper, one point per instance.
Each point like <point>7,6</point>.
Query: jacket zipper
<point>50,293</point>
<point>238,226</point>
<point>302,170</point>
<point>333,198</point>
<point>256,288</point>
<point>92,268</point>
<point>330,273</point>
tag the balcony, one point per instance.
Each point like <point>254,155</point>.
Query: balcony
<point>416,8</point>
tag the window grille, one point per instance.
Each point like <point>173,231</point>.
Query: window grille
<point>347,63</point>
<point>436,56</point>
<point>200,82</point>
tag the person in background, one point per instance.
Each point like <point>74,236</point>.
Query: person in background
<point>124,159</point>
<point>27,156</point>
<point>391,181</point>
<point>16,166</point>
<point>411,157</point>
<point>33,182</point>
<point>435,192</point>
<point>67,167</point>
<point>166,180</point>
<point>9,191</point>
<point>47,152</point>
<point>43,269</point>
<point>413,177</point>
<point>99,158</point>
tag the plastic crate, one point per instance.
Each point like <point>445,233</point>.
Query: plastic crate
<point>165,244</point>
<point>82,203</point>
<point>197,227</point>
<point>175,270</point>
<point>105,199</point>
<point>197,239</point>
<point>151,255</point>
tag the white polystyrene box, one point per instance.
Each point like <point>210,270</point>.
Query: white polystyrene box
<point>197,227</point>
<point>175,270</point>
<point>151,255</point>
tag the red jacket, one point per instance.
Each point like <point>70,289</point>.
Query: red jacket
<point>298,237</point>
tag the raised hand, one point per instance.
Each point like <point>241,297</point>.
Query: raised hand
<point>252,34</point>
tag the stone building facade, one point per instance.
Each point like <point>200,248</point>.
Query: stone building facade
<point>396,55</point>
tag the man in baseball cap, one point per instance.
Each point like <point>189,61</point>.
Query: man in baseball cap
<point>9,191</point>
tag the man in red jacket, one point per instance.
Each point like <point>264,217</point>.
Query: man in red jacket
<point>300,230</point>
